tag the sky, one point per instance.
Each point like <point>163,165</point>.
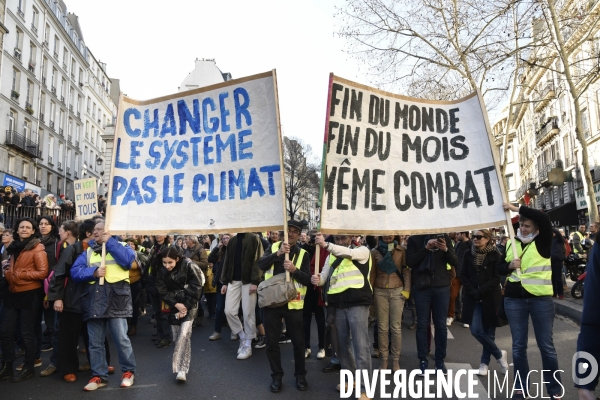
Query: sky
<point>151,47</point>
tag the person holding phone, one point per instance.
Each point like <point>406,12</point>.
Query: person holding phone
<point>431,258</point>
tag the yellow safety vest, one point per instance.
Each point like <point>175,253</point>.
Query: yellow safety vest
<point>581,239</point>
<point>347,276</point>
<point>114,272</point>
<point>298,302</point>
<point>536,271</point>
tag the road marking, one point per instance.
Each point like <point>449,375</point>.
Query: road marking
<point>433,332</point>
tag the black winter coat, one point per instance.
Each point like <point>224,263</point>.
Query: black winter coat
<point>71,293</point>
<point>181,283</point>
<point>484,286</point>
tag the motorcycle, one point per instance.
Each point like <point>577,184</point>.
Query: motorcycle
<point>575,266</point>
<point>577,289</point>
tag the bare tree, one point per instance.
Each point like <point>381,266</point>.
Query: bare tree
<point>561,47</point>
<point>301,177</point>
<point>437,49</point>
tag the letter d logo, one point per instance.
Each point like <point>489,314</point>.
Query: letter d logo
<point>585,368</point>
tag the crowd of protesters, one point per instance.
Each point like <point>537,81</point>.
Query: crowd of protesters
<point>53,276</point>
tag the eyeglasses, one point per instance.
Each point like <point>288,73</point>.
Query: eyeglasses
<point>478,237</point>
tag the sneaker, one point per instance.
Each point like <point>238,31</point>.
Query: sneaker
<point>483,370</point>
<point>234,337</point>
<point>163,343</point>
<point>440,366</point>
<point>449,321</point>
<point>215,336</point>
<point>95,383</point>
<point>180,376</point>
<point>423,366</point>
<point>85,367</point>
<point>47,347</point>
<point>241,346</point>
<point>153,321</point>
<point>127,379</point>
<point>36,363</point>
<point>321,354</point>
<point>284,339</point>
<point>561,296</point>
<point>20,352</point>
<point>49,370</point>
<point>261,343</point>
<point>465,325</point>
<point>245,353</point>
<point>307,353</point>
<point>504,361</point>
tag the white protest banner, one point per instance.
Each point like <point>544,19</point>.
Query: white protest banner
<point>207,160</point>
<point>86,198</point>
<point>401,165</point>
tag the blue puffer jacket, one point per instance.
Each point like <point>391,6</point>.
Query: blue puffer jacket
<point>111,300</point>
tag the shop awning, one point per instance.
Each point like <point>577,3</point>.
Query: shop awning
<point>565,215</point>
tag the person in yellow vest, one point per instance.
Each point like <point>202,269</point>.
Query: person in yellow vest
<point>106,306</point>
<point>351,294</point>
<point>528,292</point>
<point>578,238</point>
<point>273,263</point>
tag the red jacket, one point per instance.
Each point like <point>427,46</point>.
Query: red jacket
<point>322,258</point>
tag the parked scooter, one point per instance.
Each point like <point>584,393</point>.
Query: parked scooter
<point>577,289</point>
<point>575,266</point>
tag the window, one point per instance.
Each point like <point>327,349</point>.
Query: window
<point>77,132</point>
<point>42,103</point>
<point>52,113</point>
<point>15,82</point>
<point>61,119</point>
<point>73,68</point>
<point>11,120</point>
<point>11,165</point>
<point>54,79</point>
<point>56,46</point>
<point>25,170</point>
<point>509,154</point>
<point>29,93</point>
<point>47,35</point>
<point>43,71</point>
<point>510,182</point>
<point>18,39</point>
<point>85,155</point>
<point>65,57</point>
<point>35,20</point>
<point>50,146</point>
<point>62,90</point>
<point>32,56</point>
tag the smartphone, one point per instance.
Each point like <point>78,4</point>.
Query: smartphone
<point>441,238</point>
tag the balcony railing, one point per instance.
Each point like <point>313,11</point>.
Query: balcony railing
<point>38,182</point>
<point>60,131</point>
<point>76,176</point>
<point>56,55</point>
<point>545,95</point>
<point>62,99</point>
<point>53,90</point>
<point>42,117</point>
<point>17,54</point>
<point>77,143</point>
<point>60,168</point>
<point>51,125</point>
<point>68,171</point>
<point>50,162</point>
<point>33,28</point>
<point>20,12</point>
<point>11,213</point>
<point>79,114</point>
<point>547,131</point>
<point>44,81</point>
<point>18,141</point>
<point>71,107</point>
<point>69,139</point>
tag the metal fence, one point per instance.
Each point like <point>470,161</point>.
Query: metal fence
<point>9,214</point>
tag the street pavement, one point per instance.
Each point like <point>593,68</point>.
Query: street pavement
<point>215,373</point>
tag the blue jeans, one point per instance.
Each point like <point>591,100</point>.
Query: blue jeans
<point>97,333</point>
<point>438,299</point>
<point>541,310</point>
<point>354,321</point>
<point>219,308</point>
<point>485,336</point>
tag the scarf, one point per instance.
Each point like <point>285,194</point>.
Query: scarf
<point>97,247</point>
<point>47,239</point>
<point>479,254</point>
<point>17,246</point>
<point>387,264</point>
<point>526,239</point>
